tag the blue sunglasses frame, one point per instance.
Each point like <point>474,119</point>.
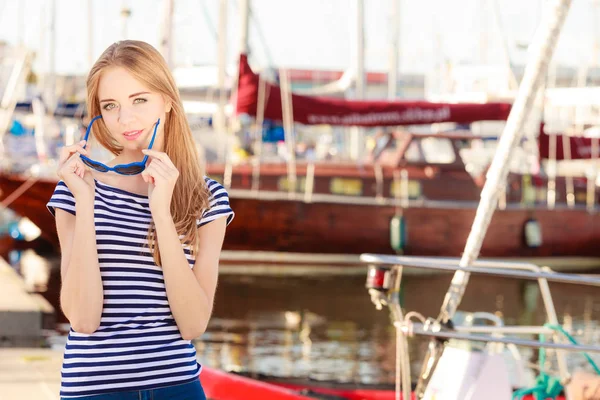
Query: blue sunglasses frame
<point>121,169</point>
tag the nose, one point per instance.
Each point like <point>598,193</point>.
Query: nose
<point>126,116</point>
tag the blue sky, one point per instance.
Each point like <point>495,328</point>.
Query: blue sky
<point>312,34</point>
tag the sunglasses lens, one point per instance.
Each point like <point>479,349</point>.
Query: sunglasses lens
<point>93,164</point>
<point>130,169</point>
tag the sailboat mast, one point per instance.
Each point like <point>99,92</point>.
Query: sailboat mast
<point>219,117</point>
<point>244,9</point>
<point>90,25</point>
<point>50,89</point>
<point>222,62</point>
<point>356,134</point>
<point>542,48</point>
<point>166,40</point>
<point>394,48</point>
<point>21,23</point>
<point>125,14</point>
<point>360,50</point>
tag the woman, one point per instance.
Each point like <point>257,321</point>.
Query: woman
<point>140,237</point>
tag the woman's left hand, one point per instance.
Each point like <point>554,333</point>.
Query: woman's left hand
<point>161,176</point>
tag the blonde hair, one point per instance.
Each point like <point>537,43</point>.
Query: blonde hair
<point>190,196</point>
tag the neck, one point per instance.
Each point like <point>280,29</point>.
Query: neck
<point>127,157</point>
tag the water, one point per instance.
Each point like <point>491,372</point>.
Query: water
<point>326,328</point>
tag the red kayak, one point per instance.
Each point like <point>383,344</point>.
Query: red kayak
<point>220,385</point>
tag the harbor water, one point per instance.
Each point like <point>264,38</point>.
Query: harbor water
<point>326,328</point>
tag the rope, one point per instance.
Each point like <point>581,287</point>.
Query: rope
<point>573,341</point>
<point>549,387</point>
<point>20,190</point>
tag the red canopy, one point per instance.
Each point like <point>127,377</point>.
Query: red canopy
<point>322,110</point>
<point>581,147</point>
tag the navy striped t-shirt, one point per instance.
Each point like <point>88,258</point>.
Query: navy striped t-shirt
<point>138,345</point>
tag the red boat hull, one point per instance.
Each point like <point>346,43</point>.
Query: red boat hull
<point>219,385</point>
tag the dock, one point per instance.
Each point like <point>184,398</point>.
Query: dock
<point>30,374</point>
<point>23,315</point>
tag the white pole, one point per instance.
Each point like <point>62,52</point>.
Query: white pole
<point>90,25</point>
<point>244,7</point>
<point>219,120</point>
<point>542,48</point>
<point>394,27</point>
<point>360,50</point>
<point>51,84</point>
<point>288,129</point>
<point>166,42</point>
<point>125,14</point>
<point>222,65</point>
<point>21,23</point>
<point>552,169</point>
<point>356,145</point>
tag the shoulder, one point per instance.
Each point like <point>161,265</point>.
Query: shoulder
<point>214,187</point>
<point>219,205</point>
<point>61,198</point>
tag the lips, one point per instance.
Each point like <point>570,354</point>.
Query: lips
<point>132,135</point>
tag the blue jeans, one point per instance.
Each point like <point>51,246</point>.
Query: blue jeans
<point>187,391</point>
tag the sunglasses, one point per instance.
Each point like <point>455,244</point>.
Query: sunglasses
<point>122,169</point>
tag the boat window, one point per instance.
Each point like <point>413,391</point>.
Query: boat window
<point>414,189</point>
<point>431,150</point>
<point>346,186</point>
<point>283,184</point>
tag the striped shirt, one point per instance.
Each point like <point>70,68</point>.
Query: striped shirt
<point>138,345</point>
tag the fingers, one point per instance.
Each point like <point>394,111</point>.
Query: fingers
<point>160,156</point>
<point>69,165</point>
<point>79,170</point>
<point>67,151</point>
<point>160,166</point>
<point>147,176</point>
<point>153,172</point>
<point>74,165</point>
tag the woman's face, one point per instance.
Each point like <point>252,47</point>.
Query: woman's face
<point>130,110</point>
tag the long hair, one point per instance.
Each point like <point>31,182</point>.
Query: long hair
<point>190,196</point>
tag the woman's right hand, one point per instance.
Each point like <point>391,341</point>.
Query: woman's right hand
<point>74,172</point>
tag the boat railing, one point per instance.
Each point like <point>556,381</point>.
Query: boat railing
<point>273,195</point>
<point>383,282</point>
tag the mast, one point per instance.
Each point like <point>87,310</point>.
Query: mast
<point>166,39</point>
<point>222,66</point>
<point>394,48</point>
<point>542,48</point>
<point>356,134</point>
<point>222,63</point>
<point>50,89</point>
<point>360,49</point>
<point>244,23</point>
<point>90,25</point>
<point>125,14</point>
<point>21,24</point>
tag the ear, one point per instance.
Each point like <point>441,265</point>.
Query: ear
<point>168,103</point>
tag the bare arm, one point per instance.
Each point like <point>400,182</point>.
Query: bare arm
<point>190,292</point>
<point>81,295</point>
